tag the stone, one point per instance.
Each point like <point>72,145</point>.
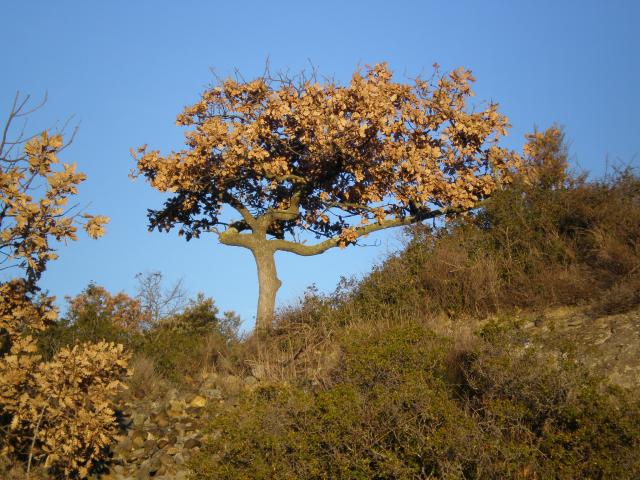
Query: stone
<point>163,442</point>
<point>162,421</point>
<point>198,401</point>
<point>166,460</point>
<point>150,446</point>
<point>148,468</point>
<point>172,450</point>
<point>212,393</point>
<point>137,439</point>
<point>125,445</point>
<point>138,419</point>
<point>258,371</point>
<point>192,443</point>
<point>137,454</point>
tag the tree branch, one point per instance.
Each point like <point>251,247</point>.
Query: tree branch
<point>290,213</point>
<point>242,210</point>
<point>231,236</point>
<point>318,248</point>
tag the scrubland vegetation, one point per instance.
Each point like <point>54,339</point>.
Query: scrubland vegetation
<point>422,369</point>
<point>397,376</point>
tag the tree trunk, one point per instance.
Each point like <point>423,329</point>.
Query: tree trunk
<point>268,284</point>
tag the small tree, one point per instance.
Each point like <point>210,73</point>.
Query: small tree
<point>58,412</point>
<point>157,301</point>
<point>292,155</point>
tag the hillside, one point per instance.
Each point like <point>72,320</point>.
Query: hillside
<point>502,344</point>
<point>437,364</point>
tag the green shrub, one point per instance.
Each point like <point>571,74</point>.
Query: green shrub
<point>400,405</point>
<point>183,344</point>
<point>94,315</point>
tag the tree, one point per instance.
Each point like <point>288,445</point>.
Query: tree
<point>44,412</point>
<point>292,155</point>
<point>156,301</point>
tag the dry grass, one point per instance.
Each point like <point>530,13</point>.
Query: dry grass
<point>145,382</point>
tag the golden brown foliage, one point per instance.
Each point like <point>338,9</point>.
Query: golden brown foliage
<point>546,156</point>
<point>328,158</point>
<point>123,311</point>
<point>64,406</point>
<point>58,411</point>
<point>34,192</point>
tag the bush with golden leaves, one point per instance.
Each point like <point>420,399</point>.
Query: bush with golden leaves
<point>60,411</point>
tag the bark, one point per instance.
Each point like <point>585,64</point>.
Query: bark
<point>269,284</point>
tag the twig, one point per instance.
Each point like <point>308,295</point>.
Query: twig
<point>35,435</point>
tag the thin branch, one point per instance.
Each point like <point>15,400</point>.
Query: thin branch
<point>35,435</point>
<point>242,210</point>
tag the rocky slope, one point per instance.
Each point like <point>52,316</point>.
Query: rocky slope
<point>159,436</point>
<point>608,345</point>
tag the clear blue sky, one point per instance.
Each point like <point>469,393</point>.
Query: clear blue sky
<point>126,68</point>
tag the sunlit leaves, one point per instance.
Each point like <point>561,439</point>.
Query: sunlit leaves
<point>59,413</point>
<point>34,192</point>
<point>337,155</point>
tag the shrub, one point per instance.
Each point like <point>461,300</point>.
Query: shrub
<point>400,405</point>
<point>92,316</point>
<point>185,343</point>
<point>63,412</point>
<point>58,412</point>
<point>550,238</point>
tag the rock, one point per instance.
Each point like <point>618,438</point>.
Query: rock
<point>250,380</point>
<point>124,446</point>
<point>148,468</point>
<point>172,450</point>
<point>174,412</point>
<point>198,401</point>
<point>137,454</point>
<point>179,429</point>
<point>163,442</point>
<point>258,371</point>
<point>192,443</point>
<point>212,393</point>
<point>138,419</point>
<point>172,394</point>
<point>150,446</point>
<point>162,421</point>
<point>166,460</point>
<point>172,438</point>
<point>137,439</point>
<point>212,435</point>
<point>608,345</point>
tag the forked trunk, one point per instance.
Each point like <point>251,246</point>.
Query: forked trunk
<point>268,284</point>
